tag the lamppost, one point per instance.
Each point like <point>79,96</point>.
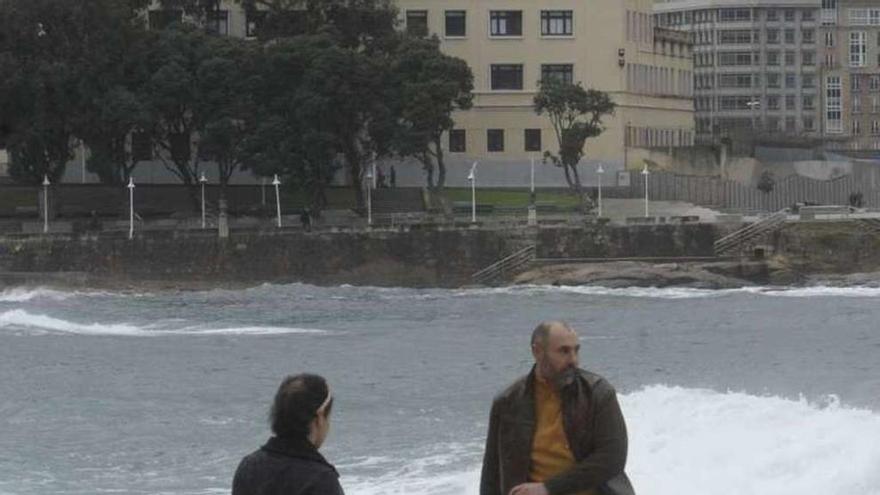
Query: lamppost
<point>533,212</point>
<point>472,176</point>
<point>645,173</point>
<point>45,203</point>
<point>202,181</point>
<point>369,177</point>
<point>600,171</point>
<point>753,104</point>
<point>130,207</point>
<point>276,183</point>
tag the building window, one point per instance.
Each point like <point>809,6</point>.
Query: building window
<point>456,23</point>
<point>773,80</point>
<point>829,39</point>
<point>808,102</point>
<point>729,59</point>
<point>217,22</point>
<point>789,36</point>
<point>495,140</point>
<point>808,81</point>
<point>875,104</point>
<point>856,104</point>
<point>557,23</point>
<point>772,36</point>
<point>808,36</point>
<point>161,19</point>
<point>857,49</point>
<point>833,122</point>
<point>789,58</point>
<point>457,141</point>
<point>507,76</point>
<point>808,59</point>
<point>772,58</point>
<point>772,102</point>
<point>734,15</point>
<point>252,24</point>
<point>789,102</point>
<point>875,127</point>
<point>807,16</point>
<point>856,128</point>
<point>809,124</point>
<point>855,83</point>
<point>772,15</point>
<point>505,22</point>
<point>417,22</point>
<point>790,80</point>
<point>563,73</point>
<point>533,139</point>
<point>789,15</point>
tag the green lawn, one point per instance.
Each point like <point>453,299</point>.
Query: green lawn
<point>507,197</point>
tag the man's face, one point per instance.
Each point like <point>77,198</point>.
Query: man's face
<point>557,360</point>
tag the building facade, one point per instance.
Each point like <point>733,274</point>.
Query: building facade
<point>851,73</point>
<point>757,65</point>
<point>610,45</point>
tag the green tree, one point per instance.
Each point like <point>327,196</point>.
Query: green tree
<point>296,136</point>
<point>429,87</point>
<point>576,115</point>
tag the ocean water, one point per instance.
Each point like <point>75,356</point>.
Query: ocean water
<point>770,391</point>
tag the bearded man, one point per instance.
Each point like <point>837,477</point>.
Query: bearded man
<point>558,430</point>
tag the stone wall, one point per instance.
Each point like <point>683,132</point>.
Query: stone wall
<point>414,258</point>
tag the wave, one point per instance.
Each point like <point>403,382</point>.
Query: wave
<point>20,294</point>
<point>702,442</point>
<point>676,292</point>
<point>18,319</point>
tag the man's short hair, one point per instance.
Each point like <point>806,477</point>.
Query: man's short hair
<point>296,404</point>
<point>542,331</point>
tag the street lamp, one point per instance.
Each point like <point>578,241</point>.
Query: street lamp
<point>645,173</point>
<point>130,207</point>
<point>369,178</point>
<point>472,176</point>
<point>753,104</point>
<point>202,181</point>
<point>600,171</point>
<point>276,183</point>
<point>45,203</point>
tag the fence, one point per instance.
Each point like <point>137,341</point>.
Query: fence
<point>720,193</point>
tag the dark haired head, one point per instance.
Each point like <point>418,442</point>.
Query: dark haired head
<point>296,404</point>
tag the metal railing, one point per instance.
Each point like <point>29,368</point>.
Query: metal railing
<point>749,233</point>
<point>511,264</point>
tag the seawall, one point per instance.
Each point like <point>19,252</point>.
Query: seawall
<point>402,257</point>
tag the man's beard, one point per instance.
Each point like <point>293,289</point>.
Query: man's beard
<point>562,378</point>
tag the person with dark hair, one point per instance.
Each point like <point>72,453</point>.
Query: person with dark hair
<point>558,430</point>
<point>289,463</point>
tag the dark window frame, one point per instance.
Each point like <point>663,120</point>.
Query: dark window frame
<point>567,18</point>
<point>455,16</point>
<point>566,71</point>
<point>513,25</point>
<point>214,19</point>
<point>420,29</point>
<point>457,141</point>
<point>532,140</point>
<point>498,77</point>
<point>495,140</point>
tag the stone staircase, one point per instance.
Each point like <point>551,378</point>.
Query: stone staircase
<point>750,234</point>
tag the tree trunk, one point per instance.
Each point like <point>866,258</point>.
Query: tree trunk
<point>428,166</point>
<point>353,158</point>
<point>441,165</point>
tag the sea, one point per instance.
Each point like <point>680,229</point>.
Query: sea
<point>767,390</point>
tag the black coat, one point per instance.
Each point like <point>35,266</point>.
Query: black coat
<point>286,466</point>
<point>594,427</point>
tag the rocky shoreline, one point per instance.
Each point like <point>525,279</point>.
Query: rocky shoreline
<point>696,275</point>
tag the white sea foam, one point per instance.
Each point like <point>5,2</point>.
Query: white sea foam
<point>42,324</point>
<point>701,442</point>
<point>20,294</point>
<point>675,292</point>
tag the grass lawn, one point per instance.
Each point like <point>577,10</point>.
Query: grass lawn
<point>507,197</point>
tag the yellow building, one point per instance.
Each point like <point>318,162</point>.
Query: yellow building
<point>610,45</point>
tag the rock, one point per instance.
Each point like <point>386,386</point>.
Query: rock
<point>631,274</point>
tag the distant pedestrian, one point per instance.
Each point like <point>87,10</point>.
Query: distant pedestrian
<point>380,179</point>
<point>289,463</point>
<point>305,217</point>
<point>393,175</point>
